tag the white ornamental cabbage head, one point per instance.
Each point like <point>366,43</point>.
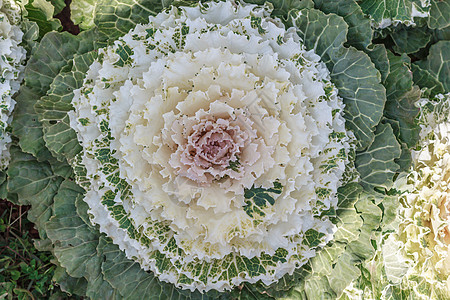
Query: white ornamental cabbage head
<point>213,146</point>
<point>426,229</point>
<point>12,56</point>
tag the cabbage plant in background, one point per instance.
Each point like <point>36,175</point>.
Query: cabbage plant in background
<point>414,257</point>
<point>11,63</point>
<point>21,23</point>
<point>218,149</point>
<point>425,227</point>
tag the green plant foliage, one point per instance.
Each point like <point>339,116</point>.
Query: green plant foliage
<point>439,14</point>
<point>377,165</point>
<point>438,63</point>
<point>401,98</point>
<point>41,12</point>
<point>359,32</point>
<point>424,79</point>
<point>410,40</point>
<point>26,273</point>
<point>52,109</point>
<point>394,10</point>
<point>35,183</point>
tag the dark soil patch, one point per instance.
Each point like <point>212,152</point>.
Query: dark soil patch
<point>66,22</point>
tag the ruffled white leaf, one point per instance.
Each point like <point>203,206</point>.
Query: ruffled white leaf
<point>213,143</point>
<point>12,56</point>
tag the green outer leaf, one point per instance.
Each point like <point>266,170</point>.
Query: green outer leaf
<point>69,284</point>
<point>338,263</point>
<point>75,242</point>
<point>35,184</point>
<point>342,267</point>
<point>438,63</point>
<point>410,39</point>
<point>405,159</point>
<point>358,251</point>
<point>114,18</point>
<point>54,52</point>
<point>424,79</point>
<point>376,165</point>
<point>117,267</point>
<point>401,99</point>
<point>348,220</point>
<point>378,55</point>
<point>325,34</point>
<point>58,4</point>
<point>439,14</point>
<point>355,76</point>
<point>41,12</point>
<point>52,109</point>
<point>359,30</point>
<point>402,112</point>
<point>26,126</point>
<point>441,34</point>
<point>30,36</point>
<point>97,287</point>
<point>3,184</point>
<point>76,250</point>
<point>62,169</point>
<point>52,55</point>
<point>250,292</point>
<point>364,97</point>
<point>399,10</point>
<point>134,283</point>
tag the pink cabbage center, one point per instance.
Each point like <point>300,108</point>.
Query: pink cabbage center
<point>211,147</point>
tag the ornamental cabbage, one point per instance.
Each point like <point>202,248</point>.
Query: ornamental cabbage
<point>426,226</point>
<point>12,57</point>
<point>414,254</point>
<point>228,150</point>
<point>213,144</point>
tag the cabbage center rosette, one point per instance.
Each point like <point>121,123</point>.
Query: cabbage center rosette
<point>427,215</point>
<point>213,146</point>
<point>12,57</point>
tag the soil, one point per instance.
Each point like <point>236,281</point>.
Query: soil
<point>17,216</point>
<point>66,22</point>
